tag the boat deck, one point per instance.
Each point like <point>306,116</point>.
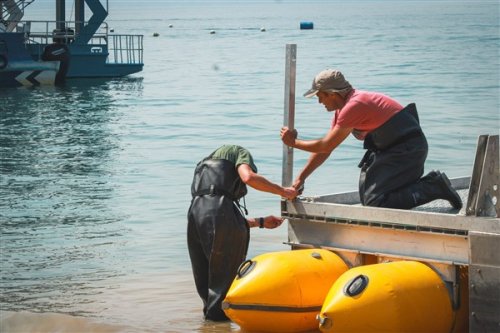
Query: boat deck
<point>436,206</point>
<point>434,233</point>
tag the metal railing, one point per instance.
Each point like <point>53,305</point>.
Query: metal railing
<point>125,49</point>
<point>43,32</point>
<point>122,48</point>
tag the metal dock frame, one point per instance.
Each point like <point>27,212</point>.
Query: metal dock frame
<point>444,239</point>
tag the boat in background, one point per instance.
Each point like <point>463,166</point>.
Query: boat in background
<point>47,52</point>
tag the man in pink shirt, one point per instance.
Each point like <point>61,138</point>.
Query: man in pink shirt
<point>393,165</point>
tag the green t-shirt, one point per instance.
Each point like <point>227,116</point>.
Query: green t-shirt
<point>235,154</point>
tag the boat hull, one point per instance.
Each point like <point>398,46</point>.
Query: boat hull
<point>17,68</point>
<point>282,291</point>
<point>91,61</point>
<point>28,73</point>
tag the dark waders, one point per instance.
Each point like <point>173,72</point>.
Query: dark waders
<point>394,162</point>
<point>218,233</point>
<point>393,165</point>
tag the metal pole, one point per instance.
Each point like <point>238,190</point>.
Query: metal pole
<point>61,15</point>
<point>289,112</point>
<point>79,16</point>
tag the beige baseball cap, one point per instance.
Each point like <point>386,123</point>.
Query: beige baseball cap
<point>329,80</point>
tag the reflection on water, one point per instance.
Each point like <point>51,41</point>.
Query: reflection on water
<point>59,233</point>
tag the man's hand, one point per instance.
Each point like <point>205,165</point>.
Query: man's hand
<point>271,222</point>
<point>288,136</point>
<point>298,184</point>
<point>290,193</point>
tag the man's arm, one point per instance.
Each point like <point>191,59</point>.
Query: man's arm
<point>314,161</point>
<point>260,183</point>
<point>268,222</point>
<point>324,145</point>
<point>320,149</point>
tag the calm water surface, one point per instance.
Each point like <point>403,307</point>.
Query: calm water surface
<point>95,176</point>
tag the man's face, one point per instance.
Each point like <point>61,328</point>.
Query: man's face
<point>331,101</point>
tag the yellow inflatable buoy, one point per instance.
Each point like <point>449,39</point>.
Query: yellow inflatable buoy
<point>402,296</point>
<point>282,291</point>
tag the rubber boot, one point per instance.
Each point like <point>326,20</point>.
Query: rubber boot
<point>450,193</point>
<point>436,185</point>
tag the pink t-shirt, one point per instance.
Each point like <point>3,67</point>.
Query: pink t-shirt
<point>365,111</point>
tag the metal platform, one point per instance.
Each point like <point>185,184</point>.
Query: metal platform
<point>448,240</point>
<point>435,234</point>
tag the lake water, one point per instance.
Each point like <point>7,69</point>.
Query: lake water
<point>95,176</point>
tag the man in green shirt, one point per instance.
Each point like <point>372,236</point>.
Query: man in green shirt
<point>218,233</point>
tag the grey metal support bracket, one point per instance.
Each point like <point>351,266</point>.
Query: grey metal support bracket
<point>484,191</point>
<point>289,114</point>
<point>484,282</point>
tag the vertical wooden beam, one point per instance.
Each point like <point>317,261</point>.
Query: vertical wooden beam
<point>289,112</point>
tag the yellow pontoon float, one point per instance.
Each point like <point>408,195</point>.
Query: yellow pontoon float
<point>282,291</point>
<point>401,296</point>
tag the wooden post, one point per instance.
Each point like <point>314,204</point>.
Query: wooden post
<point>289,112</point>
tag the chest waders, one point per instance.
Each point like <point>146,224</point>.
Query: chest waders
<point>394,160</point>
<point>218,233</point>
<point>393,165</point>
